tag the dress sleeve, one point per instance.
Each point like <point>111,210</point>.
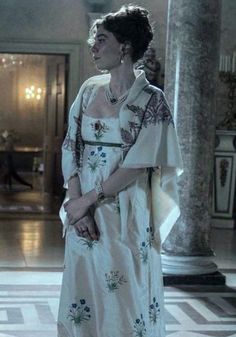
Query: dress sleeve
<point>157,143</point>
<point>157,147</point>
<point>70,145</point>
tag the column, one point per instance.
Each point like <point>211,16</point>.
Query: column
<point>190,86</point>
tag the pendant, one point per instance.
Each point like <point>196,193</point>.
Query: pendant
<point>113,100</point>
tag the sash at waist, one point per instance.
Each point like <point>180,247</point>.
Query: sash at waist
<point>91,142</point>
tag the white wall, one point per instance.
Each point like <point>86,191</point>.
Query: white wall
<point>66,21</point>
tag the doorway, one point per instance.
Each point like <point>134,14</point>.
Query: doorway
<point>33,101</point>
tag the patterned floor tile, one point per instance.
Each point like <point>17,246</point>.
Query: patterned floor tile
<point>29,309</point>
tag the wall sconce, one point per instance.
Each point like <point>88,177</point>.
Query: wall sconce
<point>33,93</point>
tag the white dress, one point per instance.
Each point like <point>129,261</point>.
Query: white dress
<point>111,287</point>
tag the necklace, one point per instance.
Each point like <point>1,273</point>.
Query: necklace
<point>112,99</point>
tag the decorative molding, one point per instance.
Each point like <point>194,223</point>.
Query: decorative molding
<point>224,180</point>
<point>224,165</point>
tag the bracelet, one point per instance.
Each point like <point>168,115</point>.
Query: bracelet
<point>99,191</point>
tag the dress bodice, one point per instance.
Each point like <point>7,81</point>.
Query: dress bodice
<point>102,151</point>
<point>104,129</point>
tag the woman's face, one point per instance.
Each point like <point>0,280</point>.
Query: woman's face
<point>106,50</point>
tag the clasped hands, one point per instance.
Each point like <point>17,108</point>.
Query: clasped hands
<point>80,217</point>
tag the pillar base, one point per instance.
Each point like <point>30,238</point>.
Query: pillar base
<point>187,265</point>
<point>207,279</point>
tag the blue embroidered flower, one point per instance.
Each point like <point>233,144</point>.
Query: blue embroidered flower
<point>114,280</point>
<point>150,236</point>
<point>88,243</point>
<point>154,311</point>
<point>96,159</point>
<point>145,245</point>
<point>139,327</point>
<point>79,313</point>
<point>143,252</point>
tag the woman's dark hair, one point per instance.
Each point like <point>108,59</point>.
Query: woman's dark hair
<point>129,25</point>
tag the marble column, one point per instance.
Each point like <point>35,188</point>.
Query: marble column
<point>190,86</point>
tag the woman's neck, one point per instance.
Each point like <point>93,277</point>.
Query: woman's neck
<point>121,80</point>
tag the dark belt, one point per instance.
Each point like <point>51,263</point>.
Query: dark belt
<point>90,142</point>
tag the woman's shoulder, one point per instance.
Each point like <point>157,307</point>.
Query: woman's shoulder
<point>97,80</point>
<point>154,90</point>
<point>91,84</point>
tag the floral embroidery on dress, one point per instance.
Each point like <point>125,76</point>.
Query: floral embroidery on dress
<point>150,235</point>
<point>139,327</point>
<point>88,243</point>
<point>145,245</point>
<point>69,143</point>
<point>157,111</point>
<point>114,280</point>
<point>79,146</point>
<point>87,95</point>
<point>130,136</point>
<point>79,313</point>
<point>96,159</point>
<point>99,129</point>
<point>117,204</point>
<point>127,136</point>
<point>154,311</point>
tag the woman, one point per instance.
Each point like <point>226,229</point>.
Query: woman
<point>120,129</point>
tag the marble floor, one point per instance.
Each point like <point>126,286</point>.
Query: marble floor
<point>31,260</point>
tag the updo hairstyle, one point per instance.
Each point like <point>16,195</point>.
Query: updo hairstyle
<point>129,25</point>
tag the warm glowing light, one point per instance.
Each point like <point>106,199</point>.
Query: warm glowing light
<point>3,60</point>
<point>31,94</point>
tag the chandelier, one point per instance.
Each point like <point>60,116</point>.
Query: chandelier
<point>33,93</point>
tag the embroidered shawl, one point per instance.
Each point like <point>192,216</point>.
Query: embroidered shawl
<point>149,140</point>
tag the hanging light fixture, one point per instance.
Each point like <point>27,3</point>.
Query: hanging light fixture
<point>33,93</point>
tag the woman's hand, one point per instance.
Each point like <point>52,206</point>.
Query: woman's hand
<point>76,208</point>
<point>87,228</point>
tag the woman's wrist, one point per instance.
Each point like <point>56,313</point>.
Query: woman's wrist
<point>90,198</point>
